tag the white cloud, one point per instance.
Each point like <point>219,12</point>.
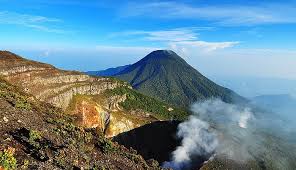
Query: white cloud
<point>188,47</point>
<point>224,15</point>
<point>170,35</point>
<point>176,34</point>
<point>30,21</point>
<point>178,39</point>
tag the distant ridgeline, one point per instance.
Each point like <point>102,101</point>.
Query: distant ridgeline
<point>107,72</point>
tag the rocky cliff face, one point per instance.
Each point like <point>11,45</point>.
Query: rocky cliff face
<point>59,87</point>
<point>63,98</point>
<point>36,135</point>
<point>106,114</point>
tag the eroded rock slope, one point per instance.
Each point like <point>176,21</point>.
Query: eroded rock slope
<point>75,93</point>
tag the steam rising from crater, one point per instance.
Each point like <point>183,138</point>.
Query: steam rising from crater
<point>238,133</point>
<point>196,141</point>
<point>244,118</point>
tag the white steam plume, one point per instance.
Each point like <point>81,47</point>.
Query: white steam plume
<point>244,118</point>
<point>199,140</point>
<point>196,141</point>
<point>242,134</point>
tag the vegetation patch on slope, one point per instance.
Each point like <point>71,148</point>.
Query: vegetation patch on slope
<point>17,99</point>
<point>136,100</point>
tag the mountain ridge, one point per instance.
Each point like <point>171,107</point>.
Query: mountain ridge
<point>165,75</point>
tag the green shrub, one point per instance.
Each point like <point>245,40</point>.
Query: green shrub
<point>33,137</point>
<point>17,100</point>
<point>60,162</point>
<point>25,164</point>
<point>136,158</point>
<point>88,137</point>
<point>106,145</point>
<point>7,160</point>
<point>70,127</point>
<point>22,103</point>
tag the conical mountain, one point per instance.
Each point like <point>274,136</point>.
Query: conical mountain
<point>165,75</point>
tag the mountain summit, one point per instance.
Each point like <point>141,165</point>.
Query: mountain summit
<point>165,75</point>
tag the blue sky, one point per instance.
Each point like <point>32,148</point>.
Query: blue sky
<point>219,38</point>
